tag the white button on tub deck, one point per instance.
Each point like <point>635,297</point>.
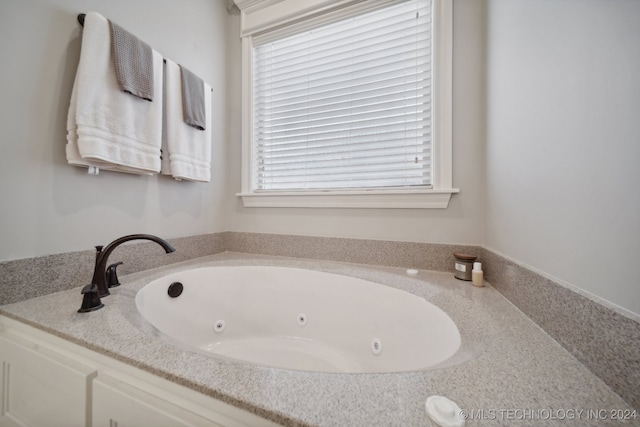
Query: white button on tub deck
<point>444,412</point>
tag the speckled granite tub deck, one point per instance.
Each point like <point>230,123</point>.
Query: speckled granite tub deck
<point>607,342</point>
<point>506,362</point>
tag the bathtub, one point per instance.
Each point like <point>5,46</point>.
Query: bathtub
<point>298,319</point>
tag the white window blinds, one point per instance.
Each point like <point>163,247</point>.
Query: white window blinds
<point>346,105</point>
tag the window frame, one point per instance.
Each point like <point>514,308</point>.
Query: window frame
<point>274,19</point>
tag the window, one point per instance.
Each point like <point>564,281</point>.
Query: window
<point>346,107</point>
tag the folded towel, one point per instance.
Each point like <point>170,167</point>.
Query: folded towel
<point>106,127</point>
<point>193,108</point>
<point>73,153</point>
<point>133,60</point>
<point>186,152</point>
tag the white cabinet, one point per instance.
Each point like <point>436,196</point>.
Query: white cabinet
<point>116,402</point>
<point>47,381</point>
<point>122,399</point>
<point>41,387</point>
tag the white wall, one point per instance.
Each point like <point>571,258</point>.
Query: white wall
<point>47,206</point>
<point>462,222</point>
<point>562,127</point>
<point>563,141</point>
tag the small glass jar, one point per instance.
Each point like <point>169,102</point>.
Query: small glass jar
<point>463,266</point>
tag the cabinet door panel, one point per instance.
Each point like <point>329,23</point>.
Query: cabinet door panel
<point>116,403</point>
<point>40,387</point>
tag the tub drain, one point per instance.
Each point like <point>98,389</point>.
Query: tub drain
<point>175,289</point>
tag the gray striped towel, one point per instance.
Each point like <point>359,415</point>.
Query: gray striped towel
<point>193,110</point>
<point>133,60</point>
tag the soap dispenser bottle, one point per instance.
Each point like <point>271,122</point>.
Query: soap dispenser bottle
<point>476,274</point>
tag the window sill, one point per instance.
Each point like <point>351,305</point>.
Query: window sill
<point>380,199</point>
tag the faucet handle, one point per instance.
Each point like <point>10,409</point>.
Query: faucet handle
<point>112,276</point>
<point>91,300</point>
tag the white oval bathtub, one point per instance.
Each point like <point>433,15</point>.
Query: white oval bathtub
<point>300,319</point>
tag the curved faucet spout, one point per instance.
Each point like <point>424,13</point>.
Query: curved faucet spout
<point>102,256</point>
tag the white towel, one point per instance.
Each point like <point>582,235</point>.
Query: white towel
<point>106,127</point>
<point>73,154</point>
<point>186,150</point>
